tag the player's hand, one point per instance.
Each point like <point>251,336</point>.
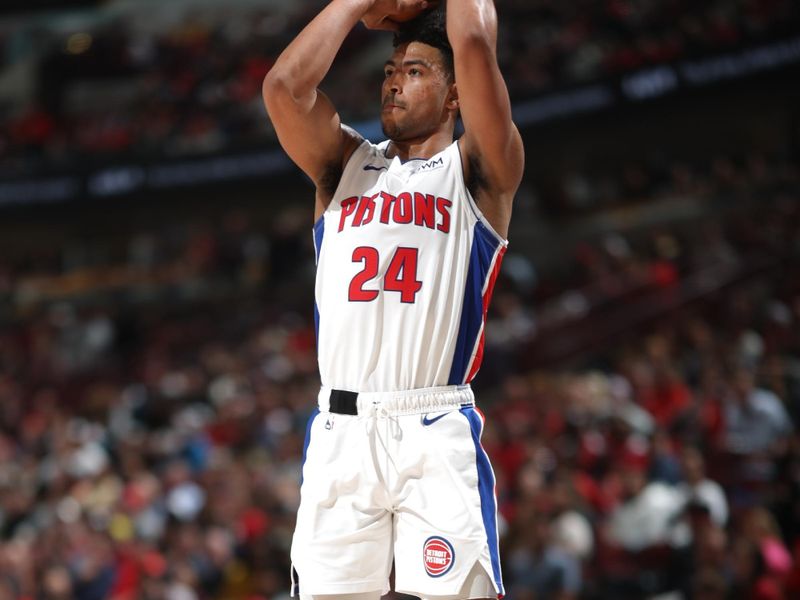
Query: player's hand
<point>388,14</point>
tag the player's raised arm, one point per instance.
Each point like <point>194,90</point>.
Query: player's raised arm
<point>307,124</point>
<point>305,120</point>
<point>491,145</point>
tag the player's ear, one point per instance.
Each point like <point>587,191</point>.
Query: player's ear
<point>452,98</point>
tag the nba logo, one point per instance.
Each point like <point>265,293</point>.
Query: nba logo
<point>438,556</point>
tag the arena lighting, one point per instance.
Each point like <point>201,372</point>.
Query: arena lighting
<point>78,43</point>
<point>659,81</point>
<point>639,86</point>
<point>126,179</point>
<point>741,64</point>
<point>584,99</point>
<point>656,82</point>
<point>40,191</point>
<point>650,83</point>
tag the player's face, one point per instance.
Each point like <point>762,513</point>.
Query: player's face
<point>417,96</point>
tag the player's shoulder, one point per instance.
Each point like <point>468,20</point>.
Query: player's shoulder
<point>352,142</point>
<point>363,151</point>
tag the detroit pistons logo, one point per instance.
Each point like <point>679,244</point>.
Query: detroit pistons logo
<point>438,556</point>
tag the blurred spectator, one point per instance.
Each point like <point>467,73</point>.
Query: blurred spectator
<point>756,422</point>
<point>700,493</point>
<point>646,513</point>
<point>540,568</point>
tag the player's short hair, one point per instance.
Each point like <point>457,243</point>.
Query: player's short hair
<point>429,28</point>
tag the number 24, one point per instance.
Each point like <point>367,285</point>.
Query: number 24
<point>401,276</point>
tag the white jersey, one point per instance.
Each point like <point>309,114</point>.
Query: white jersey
<point>406,264</point>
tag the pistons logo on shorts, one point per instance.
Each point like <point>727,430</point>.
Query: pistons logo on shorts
<point>438,556</point>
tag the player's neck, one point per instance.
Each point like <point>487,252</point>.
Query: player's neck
<point>423,148</point>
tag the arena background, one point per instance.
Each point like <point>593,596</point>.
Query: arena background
<point>642,372</point>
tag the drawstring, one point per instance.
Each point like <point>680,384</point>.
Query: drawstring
<point>393,429</point>
<point>392,421</point>
<point>378,412</point>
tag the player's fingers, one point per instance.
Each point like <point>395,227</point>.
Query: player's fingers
<point>380,24</point>
<point>416,5</point>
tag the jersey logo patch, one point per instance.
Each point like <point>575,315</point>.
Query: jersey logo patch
<point>432,165</point>
<point>438,556</point>
<point>426,421</point>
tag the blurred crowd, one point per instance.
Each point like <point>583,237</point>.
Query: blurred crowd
<point>547,43</point>
<point>154,390</point>
<point>642,390</point>
<point>129,89</point>
<point>570,192</point>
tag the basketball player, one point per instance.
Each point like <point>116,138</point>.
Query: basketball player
<point>409,238</point>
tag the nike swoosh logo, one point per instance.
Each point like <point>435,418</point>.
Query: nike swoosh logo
<point>426,421</point>
<point>375,168</point>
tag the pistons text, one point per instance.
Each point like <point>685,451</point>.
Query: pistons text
<point>422,210</point>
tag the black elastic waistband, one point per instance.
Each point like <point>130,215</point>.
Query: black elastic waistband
<point>344,402</point>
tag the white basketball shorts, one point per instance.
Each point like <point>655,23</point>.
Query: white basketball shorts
<point>404,480</point>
